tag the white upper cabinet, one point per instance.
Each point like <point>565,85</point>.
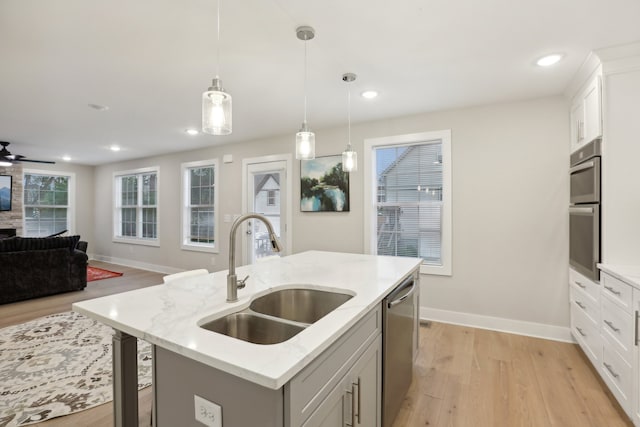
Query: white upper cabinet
<point>586,114</point>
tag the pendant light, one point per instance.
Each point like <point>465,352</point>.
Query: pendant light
<point>349,157</point>
<point>305,139</point>
<point>216,103</point>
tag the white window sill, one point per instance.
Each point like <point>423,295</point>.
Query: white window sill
<point>436,270</point>
<point>137,241</point>
<point>200,248</point>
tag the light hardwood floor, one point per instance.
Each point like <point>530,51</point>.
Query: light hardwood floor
<point>464,377</point>
<point>468,377</point>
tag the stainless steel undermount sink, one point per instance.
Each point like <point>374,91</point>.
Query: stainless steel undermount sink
<point>252,328</point>
<point>278,316</point>
<point>299,305</point>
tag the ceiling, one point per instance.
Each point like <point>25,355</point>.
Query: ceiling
<point>150,61</point>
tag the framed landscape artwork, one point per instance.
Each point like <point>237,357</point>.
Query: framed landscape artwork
<point>324,186</point>
<point>5,192</point>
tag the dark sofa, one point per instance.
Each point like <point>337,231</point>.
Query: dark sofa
<point>32,267</point>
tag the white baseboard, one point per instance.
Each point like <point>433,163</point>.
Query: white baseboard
<point>136,264</point>
<point>537,330</point>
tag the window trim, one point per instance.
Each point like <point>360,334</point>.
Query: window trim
<point>144,241</point>
<point>71,196</point>
<point>370,185</point>
<point>184,216</point>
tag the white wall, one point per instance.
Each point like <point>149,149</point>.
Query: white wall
<point>510,198</point>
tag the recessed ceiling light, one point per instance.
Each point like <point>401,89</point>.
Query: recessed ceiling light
<point>548,60</point>
<point>66,158</point>
<point>369,94</point>
<point>192,132</point>
<point>98,107</point>
<point>114,148</point>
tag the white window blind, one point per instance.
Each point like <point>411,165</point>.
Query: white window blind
<point>409,200</point>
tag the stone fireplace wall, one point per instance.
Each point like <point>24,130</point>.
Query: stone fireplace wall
<point>13,218</point>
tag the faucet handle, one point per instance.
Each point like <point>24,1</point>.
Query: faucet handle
<point>241,283</point>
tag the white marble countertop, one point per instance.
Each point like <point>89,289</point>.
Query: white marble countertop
<point>627,273</point>
<point>167,315</point>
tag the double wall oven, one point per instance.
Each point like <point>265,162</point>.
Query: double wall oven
<point>584,210</point>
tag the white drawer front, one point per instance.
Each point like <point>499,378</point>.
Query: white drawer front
<point>618,327</point>
<point>585,304</point>
<point>618,376</point>
<point>618,291</point>
<point>590,287</point>
<point>587,334</point>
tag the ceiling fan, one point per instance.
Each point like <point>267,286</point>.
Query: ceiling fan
<point>8,159</point>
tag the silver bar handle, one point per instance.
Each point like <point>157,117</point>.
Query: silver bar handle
<point>581,331</point>
<point>612,290</point>
<point>582,166</point>
<point>357,386</point>
<point>610,369</point>
<point>580,210</point>
<point>353,407</point>
<point>611,325</point>
<point>581,305</point>
<point>580,284</point>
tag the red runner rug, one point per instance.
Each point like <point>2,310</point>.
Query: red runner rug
<point>95,273</point>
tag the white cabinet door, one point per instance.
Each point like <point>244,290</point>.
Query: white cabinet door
<point>592,110</point>
<point>577,125</point>
<point>586,114</point>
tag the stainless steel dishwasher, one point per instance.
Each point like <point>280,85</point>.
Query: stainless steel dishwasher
<point>399,329</point>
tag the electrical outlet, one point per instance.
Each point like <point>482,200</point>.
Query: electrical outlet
<point>213,260</point>
<point>208,413</point>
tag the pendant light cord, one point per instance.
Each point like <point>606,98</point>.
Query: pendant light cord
<point>218,36</point>
<point>349,117</point>
<point>305,79</point>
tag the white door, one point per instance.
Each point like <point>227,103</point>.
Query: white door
<point>266,192</point>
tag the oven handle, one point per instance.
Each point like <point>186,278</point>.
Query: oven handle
<point>580,210</point>
<point>582,166</point>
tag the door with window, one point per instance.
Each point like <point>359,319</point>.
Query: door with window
<point>265,193</point>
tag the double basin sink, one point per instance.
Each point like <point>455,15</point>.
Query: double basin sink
<point>278,316</point>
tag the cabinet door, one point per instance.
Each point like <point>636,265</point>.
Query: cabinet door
<point>366,388</point>
<point>577,125</point>
<point>356,400</point>
<point>592,111</point>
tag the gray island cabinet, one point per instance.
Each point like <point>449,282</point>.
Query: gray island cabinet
<point>328,374</point>
<point>340,387</point>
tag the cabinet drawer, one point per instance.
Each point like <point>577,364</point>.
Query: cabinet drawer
<point>587,334</point>
<point>585,304</point>
<point>311,386</point>
<point>618,291</point>
<point>618,376</point>
<point>618,328</point>
<point>591,288</point>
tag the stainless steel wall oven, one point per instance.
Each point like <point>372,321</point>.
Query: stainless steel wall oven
<point>584,210</point>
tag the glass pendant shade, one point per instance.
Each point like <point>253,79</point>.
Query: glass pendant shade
<point>216,110</point>
<point>349,160</point>
<point>305,143</point>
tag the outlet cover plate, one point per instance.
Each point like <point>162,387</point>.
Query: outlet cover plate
<point>208,413</point>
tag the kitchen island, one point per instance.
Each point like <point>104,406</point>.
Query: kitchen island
<point>169,317</point>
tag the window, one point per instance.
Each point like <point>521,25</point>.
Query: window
<point>409,213</point>
<point>271,197</point>
<point>136,201</point>
<point>199,231</point>
<point>47,201</point>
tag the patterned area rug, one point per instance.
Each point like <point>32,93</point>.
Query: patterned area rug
<point>95,273</point>
<point>58,365</point>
